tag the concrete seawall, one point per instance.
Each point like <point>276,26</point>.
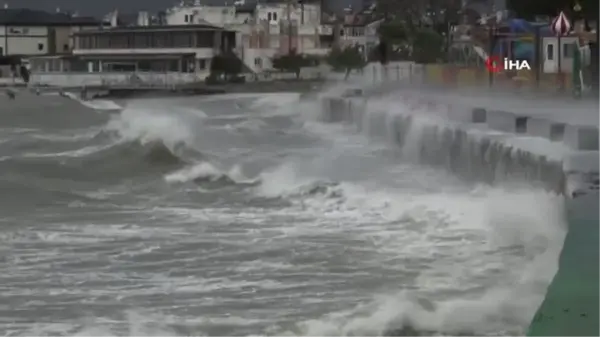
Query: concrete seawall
<point>473,144</point>
<point>493,146</point>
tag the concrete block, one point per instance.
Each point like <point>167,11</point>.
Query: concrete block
<point>582,161</point>
<point>502,121</point>
<point>521,124</point>
<point>459,113</point>
<point>334,110</point>
<point>581,137</point>
<point>339,109</point>
<point>356,109</point>
<point>538,127</point>
<point>478,115</point>
<point>557,132</point>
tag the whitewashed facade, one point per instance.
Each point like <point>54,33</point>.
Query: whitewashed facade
<point>24,40</point>
<point>263,29</point>
<point>27,32</point>
<point>360,29</point>
<point>364,36</point>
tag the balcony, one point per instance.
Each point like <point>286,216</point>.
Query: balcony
<point>325,29</point>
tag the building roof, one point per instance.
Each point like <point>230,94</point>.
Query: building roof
<point>168,55</point>
<point>151,28</point>
<point>31,17</point>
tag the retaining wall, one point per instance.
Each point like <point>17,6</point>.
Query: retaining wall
<point>479,143</point>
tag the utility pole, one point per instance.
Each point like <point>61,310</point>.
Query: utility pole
<point>289,20</point>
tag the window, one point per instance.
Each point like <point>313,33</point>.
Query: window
<point>274,16</point>
<point>550,52</point>
<point>258,62</point>
<point>40,46</point>
<point>1,51</point>
<point>65,47</point>
<point>186,18</point>
<point>269,16</point>
<point>202,64</point>
<point>567,50</point>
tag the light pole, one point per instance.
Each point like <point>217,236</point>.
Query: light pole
<point>289,20</point>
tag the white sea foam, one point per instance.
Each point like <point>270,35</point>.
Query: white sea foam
<point>357,244</point>
<point>146,124</point>
<point>96,104</point>
<point>207,171</point>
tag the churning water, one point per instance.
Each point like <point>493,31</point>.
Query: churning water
<point>241,215</point>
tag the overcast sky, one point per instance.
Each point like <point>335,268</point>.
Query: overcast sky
<point>101,7</point>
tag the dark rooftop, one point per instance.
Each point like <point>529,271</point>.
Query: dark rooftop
<point>31,17</point>
<point>151,28</point>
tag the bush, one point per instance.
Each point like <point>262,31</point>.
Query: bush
<point>428,46</point>
<point>294,62</point>
<point>212,79</point>
<point>347,59</point>
<point>237,79</point>
<point>227,64</point>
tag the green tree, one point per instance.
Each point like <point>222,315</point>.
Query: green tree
<point>227,64</point>
<point>396,36</point>
<point>224,66</point>
<point>293,62</point>
<point>347,59</point>
<point>427,46</point>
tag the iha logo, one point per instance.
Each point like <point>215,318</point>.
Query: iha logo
<point>494,65</point>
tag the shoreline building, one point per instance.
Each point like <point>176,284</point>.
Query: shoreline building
<point>179,43</point>
<point>26,32</point>
<point>265,29</point>
<point>147,55</point>
<point>360,28</point>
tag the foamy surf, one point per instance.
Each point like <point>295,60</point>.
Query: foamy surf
<point>96,104</point>
<point>146,125</point>
<point>320,232</point>
<point>205,171</point>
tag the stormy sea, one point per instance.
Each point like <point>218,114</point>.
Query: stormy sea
<point>243,215</point>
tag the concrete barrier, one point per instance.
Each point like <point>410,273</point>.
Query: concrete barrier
<point>478,115</point>
<point>584,138</point>
<point>470,150</point>
<point>461,148</point>
<point>502,121</point>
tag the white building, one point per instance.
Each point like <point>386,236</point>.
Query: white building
<point>25,32</point>
<point>360,29</point>
<point>263,30</point>
<point>551,54</point>
<point>137,55</point>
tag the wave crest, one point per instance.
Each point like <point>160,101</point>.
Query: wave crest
<point>208,174</point>
<point>148,126</point>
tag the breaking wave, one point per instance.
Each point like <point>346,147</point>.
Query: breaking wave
<point>332,235</point>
